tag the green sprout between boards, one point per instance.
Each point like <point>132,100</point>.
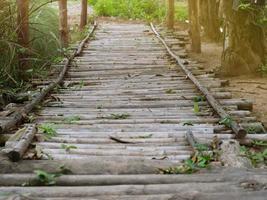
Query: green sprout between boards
<point>203,156</point>
<point>48,130</point>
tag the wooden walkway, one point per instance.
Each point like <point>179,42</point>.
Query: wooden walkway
<point>122,116</point>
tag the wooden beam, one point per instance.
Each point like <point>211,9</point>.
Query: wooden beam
<point>23,33</point>
<point>84,13</point>
<point>63,23</point>
<point>193,6</point>
<point>170,14</point>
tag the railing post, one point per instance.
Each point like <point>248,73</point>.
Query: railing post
<point>63,23</point>
<point>83,20</point>
<point>23,34</point>
<point>170,14</point>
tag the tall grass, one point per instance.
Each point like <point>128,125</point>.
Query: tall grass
<point>43,36</point>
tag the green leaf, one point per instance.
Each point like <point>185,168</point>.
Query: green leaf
<point>196,107</point>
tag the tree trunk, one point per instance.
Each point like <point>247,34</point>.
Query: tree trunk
<point>170,14</point>
<point>83,21</point>
<point>23,35</point>
<point>194,25</point>
<point>209,18</point>
<point>63,23</point>
<point>244,43</point>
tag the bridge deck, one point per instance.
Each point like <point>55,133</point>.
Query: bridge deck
<point>125,110</point>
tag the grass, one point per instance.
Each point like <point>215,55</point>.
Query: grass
<point>138,9</point>
<point>181,11</point>
<point>130,9</point>
<point>45,46</point>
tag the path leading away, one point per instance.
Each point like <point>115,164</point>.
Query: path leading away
<point>122,116</point>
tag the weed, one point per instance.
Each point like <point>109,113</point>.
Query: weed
<point>170,91</point>
<point>202,157</point>
<point>259,143</point>
<point>199,98</point>
<point>46,178</point>
<point>68,147</point>
<point>196,107</point>
<point>227,121</point>
<point>256,158</point>
<point>48,129</point>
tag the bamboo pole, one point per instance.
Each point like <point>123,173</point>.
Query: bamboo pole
<point>84,13</point>
<point>63,23</point>
<point>239,131</point>
<point>23,34</point>
<point>170,14</point>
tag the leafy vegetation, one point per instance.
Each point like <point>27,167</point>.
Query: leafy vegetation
<point>46,178</point>
<point>256,156</point>
<point>48,129</point>
<point>44,42</point>
<point>202,158</point>
<point>134,9</point>
<point>68,147</point>
<point>227,121</point>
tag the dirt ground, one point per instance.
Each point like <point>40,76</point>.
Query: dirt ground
<point>250,87</point>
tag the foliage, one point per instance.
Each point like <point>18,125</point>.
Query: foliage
<point>170,91</point>
<point>46,178</point>
<point>43,37</point>
<point>68,147</point>
<point>48,129</point>
<point>134,9</point>
<point>227,121</point>
<point>256,157</point>
<point>202,157</point>
<point>181,11</point>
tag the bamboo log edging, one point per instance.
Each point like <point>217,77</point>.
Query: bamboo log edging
<point>16,149</point>
<point>19,116</point>
<point>239,131</point>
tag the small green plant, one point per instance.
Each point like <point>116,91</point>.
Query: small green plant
<point>68,147</point>
<point>170,91</point>
<point>199,98</point>
<point>118,116</point>
<point>227,121</point>
<point>202,157</point>
<point>48,129</point>
<point>259,143</point>
<point>256,157</point>
<point>80,85</point>
<point>72,119</point>
<point>46,178</point>
<point>251,130</point>
<point>196,107</point>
